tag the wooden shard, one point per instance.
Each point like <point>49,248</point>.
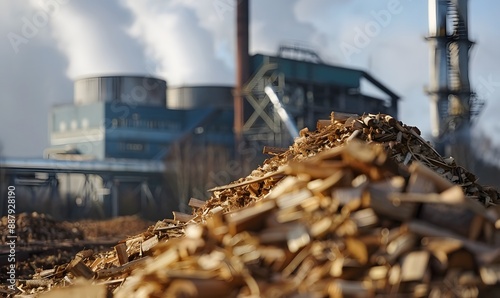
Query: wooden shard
<point>250,218</point>
<point>121,253</point>
<point>195,203</point>
<point>415,266</point>
<point>182,217</point>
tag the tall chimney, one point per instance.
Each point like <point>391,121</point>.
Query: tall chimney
<point>438,87</point>
<point>242,65</point>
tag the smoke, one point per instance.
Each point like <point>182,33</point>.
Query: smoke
<point>32,80</point>
<point>173,36</point>
<point>93,36</point>
<point>48,44</point>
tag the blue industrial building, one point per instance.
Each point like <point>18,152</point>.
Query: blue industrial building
<point>129,121</point>
<point>309,90</point>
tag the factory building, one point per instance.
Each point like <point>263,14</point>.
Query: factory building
<point>308,90</point>
<point>129,117</point>
<point>130,144</point>
<point>133,117</point>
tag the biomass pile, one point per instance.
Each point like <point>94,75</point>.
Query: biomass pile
<point>403,144</point>
<point>362,207</point>
<point>43,242</point>
<point>35,228</point>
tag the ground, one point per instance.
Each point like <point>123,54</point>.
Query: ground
<point>43,243</point>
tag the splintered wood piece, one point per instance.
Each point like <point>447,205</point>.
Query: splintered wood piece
<point>323,123</point>
<point>77,291</point>
<point>357,249</point>
<point>275,234</point>
<point>400,245</point>
<point>279,172</point>
<point>461,259</point>
<point>378,272</point>
<point>250,218</point>
<point>365,218</point>
<point>321,227</point>
<point>476,227</point>
<point>293,199</point>
<point>297,238</point>
<point>333,154</point>
<point>426,229</point>
<point>47,272</point>
<point>118,271</point>
<point>341,117</point>
<point>370,121</point>
<point>195,203</point>
<point>79,269</point>
<point>443,215</point>
<point>312,169</point>
<point>439,182</point>
<point>454,195</point>
<point>163,260</point>
<point>380,202</point>
<point>490,274</point>
<point>182,217</point>
<point>199,288</point>
<point>121,253</point>
<point>390,120</point>
<point>337,266</point>
<point>346,288</point>
<point>134,244</point>
<point>273,150</point>
<point>414,266</point>
<point>35,283</point>
<point>395,275</point>
<point>347,194</point>
<point>150,243</point>
<point>321,185</point>
<point>286,185</point>
<point>83,254</point>
<point>441,244</point>
<point>428,198</point>
<point>373,163</point>
<point>354,135</point>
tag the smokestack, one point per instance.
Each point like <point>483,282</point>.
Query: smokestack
<point>459,62</point>
<point>438,87</point>
<point>450,91</point>
<point>242,65</point>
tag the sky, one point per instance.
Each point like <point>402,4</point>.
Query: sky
<point>46,44</point>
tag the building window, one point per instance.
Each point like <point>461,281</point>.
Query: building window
<point>132,147</point>
<point>85,123</point>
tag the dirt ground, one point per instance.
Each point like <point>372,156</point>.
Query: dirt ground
<point>43,242</point>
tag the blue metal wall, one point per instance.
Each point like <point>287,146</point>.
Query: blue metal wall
<point>118,130</point>
<point>307,71</point>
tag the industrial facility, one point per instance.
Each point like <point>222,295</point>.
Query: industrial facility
<point>125,143</point>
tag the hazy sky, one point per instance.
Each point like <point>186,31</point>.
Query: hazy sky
<point>47,43</point>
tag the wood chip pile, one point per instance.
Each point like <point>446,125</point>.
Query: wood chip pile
<point>362,207</point>
<point>35,227</point>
